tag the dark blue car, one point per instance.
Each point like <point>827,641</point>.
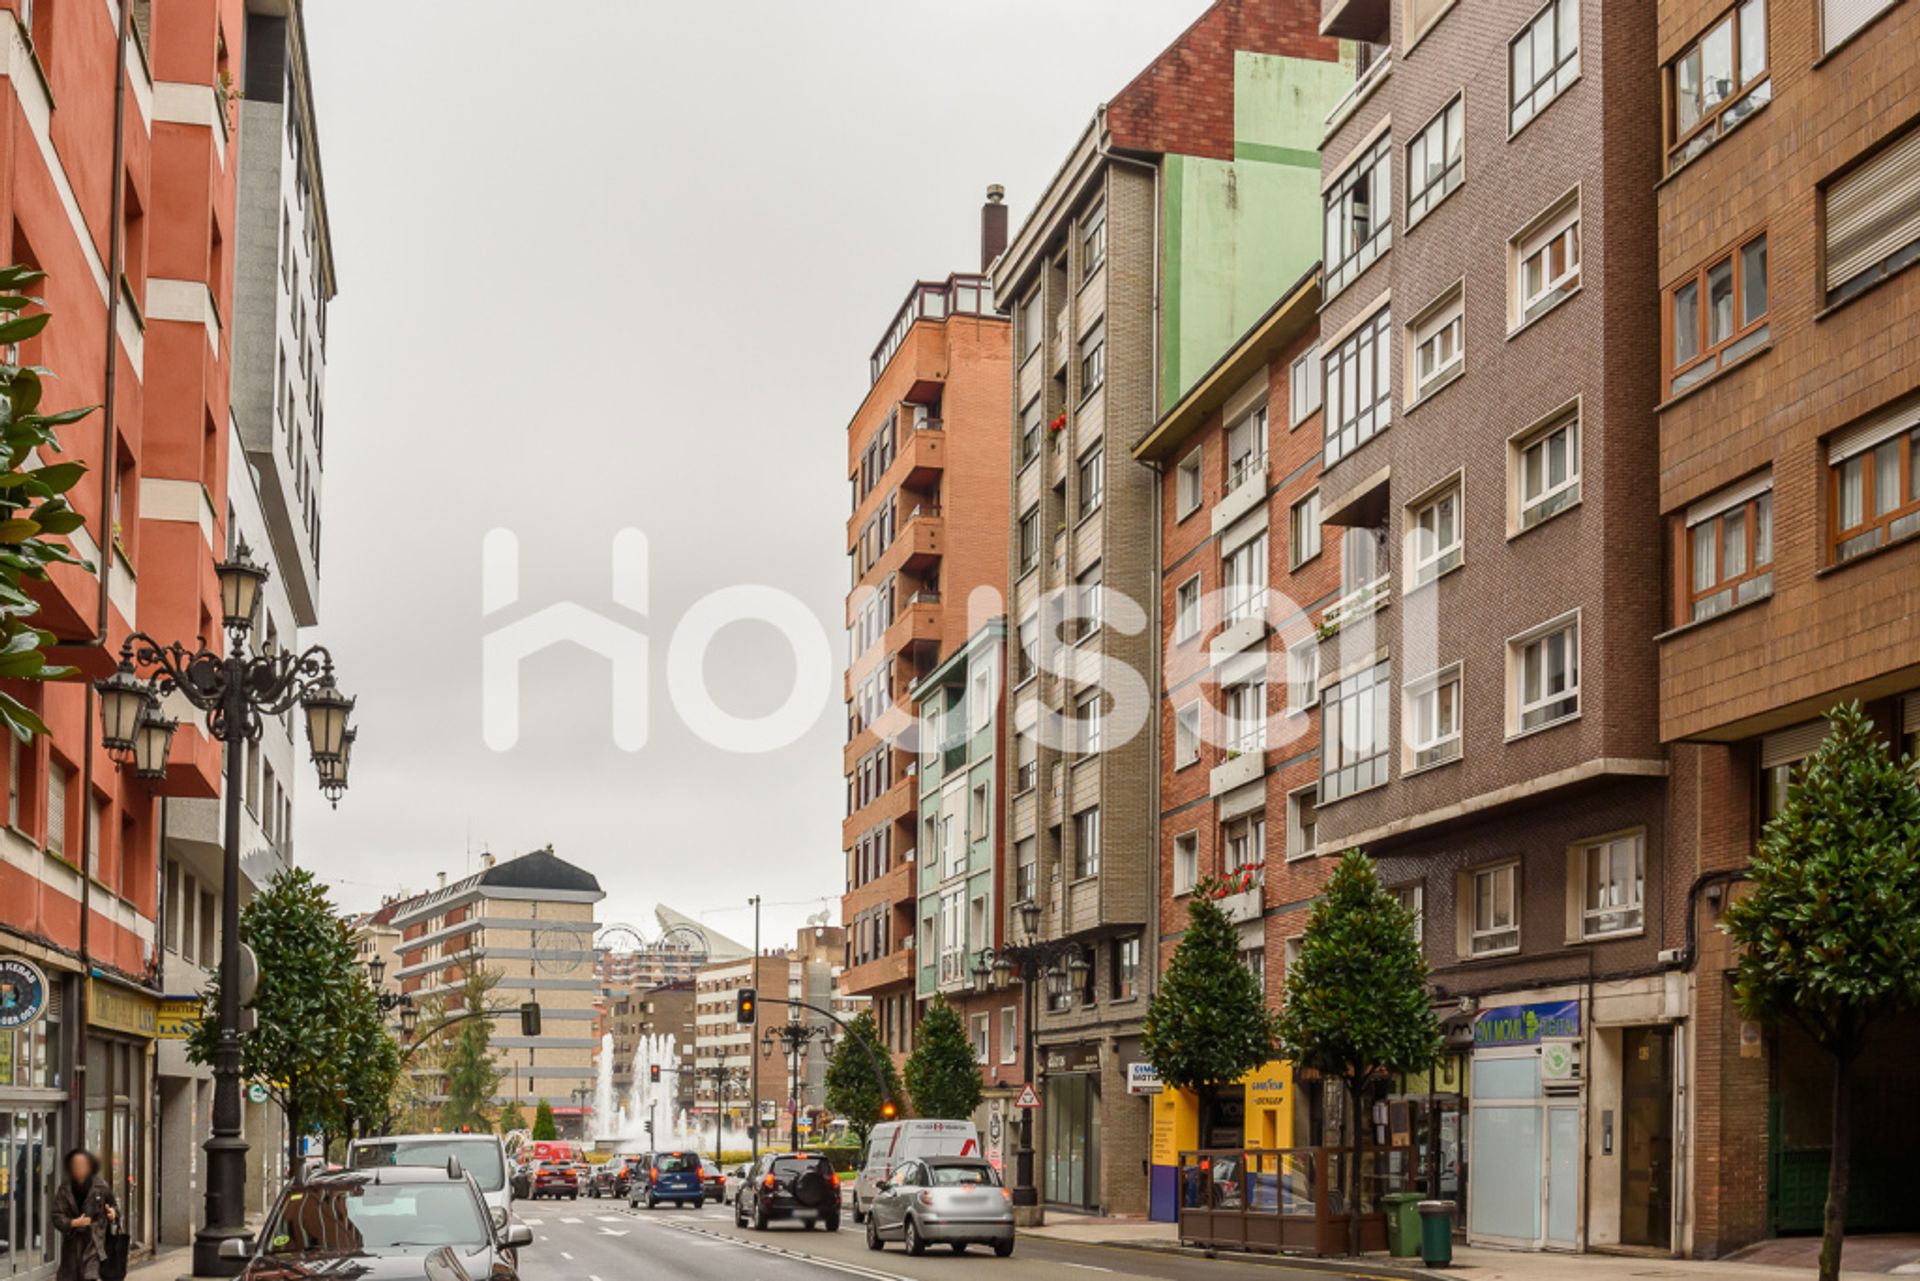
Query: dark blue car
<point>670,1177</point>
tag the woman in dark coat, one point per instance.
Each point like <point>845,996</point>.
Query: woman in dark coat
<point>82,1208</point>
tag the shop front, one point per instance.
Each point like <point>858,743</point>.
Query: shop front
<point>1070,1123</point>
<point>1255,1112</point>
<point>1524,1123</point>
<point>1426,1112</point>
<point>121,1026</point>
<point>32,1132</point>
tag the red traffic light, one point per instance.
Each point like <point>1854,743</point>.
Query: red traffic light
<point>653,1073</point>
<point>889,1110</point>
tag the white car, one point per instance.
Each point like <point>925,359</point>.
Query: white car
<point>481,1155</point>
<point>894,1142</point>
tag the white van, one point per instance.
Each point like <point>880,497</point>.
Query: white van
<point>895,1141</point>
<point>481,1155</point>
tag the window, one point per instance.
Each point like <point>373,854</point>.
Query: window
<point>1032,326</point>
<point>1547,466</point>
<point>1187,485</point>
<point>1613,886</point>
<point>1303,385</point>
<point>980,693</point>
<point>1546,675</point>
<point>1363,559</point>
<point>1494,926</point>
<point>978,1029</point>
<point>1029,539</point>
<point>1247,448</point>
<point>1243,579</point>
<point>1303,530</point>
<point>1088,585</point>
<point>979,815</point>
<point>1873,219</point>
<point>1717,314</point>
<point>1359,215</point>
<point>1543,60</point>
<point>1432,718</point>
<point>1026,642</point>
<point>1246,843</point>
<point>1126,967</point>
<point>953,936</point>
<point>1875,495</point>
<point>1839,19</point>
<point>1436,343</point>
<point>1436,160</point>
<point>1093,242</point>
<point>1026,871</point>
<point>1433,535</point>
<point>1303,674</point>
<point>953,845</point>
<point>1086,711</point>
<point>1186,735</point>
<point>1255,959</point>
<point>1545,262</point>
<point>1717,82</point>
<point>1359,388</point>
<point>1300,822</point>
<point>1186,861</point>
<point>1412,899</point>
<point>1186,609</point>
<point>1030,431</point>
<point>1729,549</point>
<point>1086,843</point>
<point>1246,712</point>
<point>59,779</point>
<point>1093,359</point>
<point>1353,733</point>
<point>1091,478</point>
<point>1026,770</point>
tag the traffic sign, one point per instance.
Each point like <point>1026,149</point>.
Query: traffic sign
<point>1027,1099</point>
<point>257,1092</point>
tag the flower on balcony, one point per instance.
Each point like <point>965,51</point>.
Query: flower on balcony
<point>1238,881</point>
<point>1059,423</point>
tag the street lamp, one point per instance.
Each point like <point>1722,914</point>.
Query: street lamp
<point>235,690</point>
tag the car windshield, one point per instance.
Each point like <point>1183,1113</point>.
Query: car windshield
<point>964,1176</point>
<point>371,1219</point>
<point>677,1163</point>
<point>709,1169</point>
<point>795,1165</point>
<point>480,1159</point>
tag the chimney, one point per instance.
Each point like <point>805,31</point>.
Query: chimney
<point>443,880</point>
<point>993,226</point>
<point>486,860</point>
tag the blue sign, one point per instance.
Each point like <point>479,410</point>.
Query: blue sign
<point>1525,1024</point>
<point>23,993</point>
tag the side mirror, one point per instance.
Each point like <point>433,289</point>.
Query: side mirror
<point>882,1186</point>
<point>235,1248</point>
<point>518,1236</point>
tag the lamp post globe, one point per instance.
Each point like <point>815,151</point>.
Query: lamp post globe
<point>124,700</point>
<point>409,1019</point>
<point>151,744</point>
<point>1029,917</point>
<point>240,581</point>
<point>327,710</point>
<point>376,968</point>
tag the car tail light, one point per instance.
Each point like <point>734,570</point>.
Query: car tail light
<point>1006,1195</point>
<point>653,1176</point>
<point>767,1182</point>
<point>835,1176</point>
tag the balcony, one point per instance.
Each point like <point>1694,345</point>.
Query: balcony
<point>1361,602</point>
<point>1247,900</point>
<point>1247,489</point>
<point>1237,770</point>
<point>1363,20</point>
<point>1238,636</point>
<point>923,536</point>
<point>961,294</point>
<point>891,970</point>
<point>925,450</point>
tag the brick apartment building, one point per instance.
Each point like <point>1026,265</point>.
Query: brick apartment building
<point>926,463</point>
<point>1789,484</point>
<point>1157,245</point>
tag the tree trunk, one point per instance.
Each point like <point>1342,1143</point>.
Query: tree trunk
<point>1834,1230</point>
<point>293,1142</point>
<point>1207,1096</point>
<point>1355,1086</point>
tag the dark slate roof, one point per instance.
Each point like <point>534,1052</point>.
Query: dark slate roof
<point>540,870</point>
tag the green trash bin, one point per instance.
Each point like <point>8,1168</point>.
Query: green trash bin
<point>1403,1223</point>
<point>1436,1233</point>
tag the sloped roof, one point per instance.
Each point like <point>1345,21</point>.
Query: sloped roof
<point>719,946</point>
<point>540,870</point>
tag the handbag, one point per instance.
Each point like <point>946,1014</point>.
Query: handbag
<point>113,1263</point>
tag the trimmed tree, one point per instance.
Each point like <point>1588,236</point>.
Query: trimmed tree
<point>854,1074</point>
<point>1829,929</point>
<point>472,1076</point>
<point>512,1118</point>
<point>1208,1024</point>
<point>943,1073</point>
<point>543,1126</point>
<point>1357,1005</point>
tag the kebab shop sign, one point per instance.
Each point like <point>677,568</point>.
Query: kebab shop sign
<point>1510,1025</point>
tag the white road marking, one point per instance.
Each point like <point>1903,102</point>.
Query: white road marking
<point>613,1232</point>
<point>566,1256</point>
<point>609,1218</point>
<point>569,1220</point>
<point>534,1223</point>
<point>1085,1267</point>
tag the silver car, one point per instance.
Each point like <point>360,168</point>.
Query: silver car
<point>955,1200</point>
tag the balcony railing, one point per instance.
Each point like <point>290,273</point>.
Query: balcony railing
<point>1356,604</point>
<point>1243,467</point>
<point>961,294</point>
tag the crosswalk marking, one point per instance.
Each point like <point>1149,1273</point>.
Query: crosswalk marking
<point>569,1220</point>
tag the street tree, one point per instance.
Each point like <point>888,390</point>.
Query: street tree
<point>543,1126</point>
<point>855,1076</point>
<point>32,503</point>
<point>512,1119</point>
<point>372,1068</point>
<point>472,1076</point>
<point>1208,1024</point>
<point>1829,926</point>
<point>1357,1004</point>
<point>943,1073</point>
<point>305,1005</point>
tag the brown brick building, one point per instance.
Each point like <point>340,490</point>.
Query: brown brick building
<point>1789,483</point>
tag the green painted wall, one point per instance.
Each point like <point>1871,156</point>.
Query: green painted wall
<point>1238,233</point>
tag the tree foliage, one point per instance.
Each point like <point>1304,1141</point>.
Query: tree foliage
<point>1357,1004</point>
<point>472,1076</point>
<point>943,1074</point>
<point>543,1126</point>
<point>855,1073</point>
<point>33,502</point>
<point>1829,928</point>
<point>512,1118</point>
<point>1208,1024</point>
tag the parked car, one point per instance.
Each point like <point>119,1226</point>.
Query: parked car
<point>893,1142</point>
<point>613,1176</point>
<point>671,1177</point>
<point>715,1181</point>
<point>789,1185</point>
<point>555,1179</point>
<point>482,1156</point>
<point>958,1201</point>
<point>392,1222</point>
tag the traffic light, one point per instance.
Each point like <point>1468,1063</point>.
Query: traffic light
<point>889,1110</point>
<point>530,1018</point>
<point>653,1073</point>
<point>744,1005</point>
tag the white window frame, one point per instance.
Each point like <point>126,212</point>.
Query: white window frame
<point>1032,427</point>
<point>1298,803</point>
<point>1492,938</point>
<point>1009,1034</point>
<point>1090,478</point>
<point>1371,162</point>
<point>1243,842</point>
<point>1250,429</point>
<point>1295,524</point>
<point>1447,131</point>
<point>1303,387</point>
<point>1632,910</point>
<point>1032,326</point>
<point>1086,823</point>
<point>1363,357</point>
<point>1087,588</point>
<point>1414,899</point>
<point>980,700</point>
<point>1189,484</point>
<point>1093,360</point>
<point>1093,242</point>
<point>1087,716</point>
<point>980,1032</point>
<point>1432,739</point>
<point>1243,579</point>
<point>1245,707</point>
<point>1186,862</point>
<point>1555,497</point>
<point>1186,609</point>
<point>1427,557</point>
<point>1186,735</point>
<point>1517,649</point>
<point>1442,329</point>
<point>1542,91</point>
<point>1558,225</point>
<point>1303,674</point>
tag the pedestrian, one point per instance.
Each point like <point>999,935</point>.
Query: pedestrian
<point>83,1209</point>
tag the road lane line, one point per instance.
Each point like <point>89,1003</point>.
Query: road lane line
<point>569,1220</point>
<point>1085,1267</point>
<point>566,1256</point>
<point>608,1218</point>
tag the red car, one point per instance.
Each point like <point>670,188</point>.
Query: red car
<point>556,1179</point>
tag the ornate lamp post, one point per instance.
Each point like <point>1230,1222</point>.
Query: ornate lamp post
<point>796,1036</point>
<point>1065,967</point>
<point>235,690</point>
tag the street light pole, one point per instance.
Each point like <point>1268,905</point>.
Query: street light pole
<point>235,690</point>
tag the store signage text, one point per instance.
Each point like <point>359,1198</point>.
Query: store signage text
<point>1526,1024</point>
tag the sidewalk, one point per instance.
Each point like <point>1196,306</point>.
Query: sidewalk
<point>167,1264</point>
<point>1871,1258</point>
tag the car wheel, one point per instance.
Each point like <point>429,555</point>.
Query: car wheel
<point>1003,1248</point>
<point>652,1202</point>
<point>739,1215</point>
<point>832,1223</point>
<point>759,1218</point>
<point>873,1236</point>
<point>915,1243</point>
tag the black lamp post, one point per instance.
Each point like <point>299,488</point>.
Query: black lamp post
<point>235,690</point>
<point>1065,967</point>
<point>796,1035</point>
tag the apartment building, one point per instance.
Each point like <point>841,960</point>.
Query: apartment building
<point>1789,487</point>
<point>727,1053</point>
<point>927,467</point>
<point>1243,578</point>
<point>529,922</point>
<point>1150,253</point>
<point>1487,688</point>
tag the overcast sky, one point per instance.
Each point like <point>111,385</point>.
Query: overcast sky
<point>613,264</point>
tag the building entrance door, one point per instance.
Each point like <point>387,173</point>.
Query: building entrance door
<point>1563,1177</point>
<point>1646,1200</point>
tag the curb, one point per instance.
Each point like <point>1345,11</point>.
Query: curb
<point>1391,1271</point>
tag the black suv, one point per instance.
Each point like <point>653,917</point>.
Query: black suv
<point>789,1185</point>
<point>614,1176</point>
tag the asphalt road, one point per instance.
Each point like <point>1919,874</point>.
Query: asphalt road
<point>598,1240</point>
